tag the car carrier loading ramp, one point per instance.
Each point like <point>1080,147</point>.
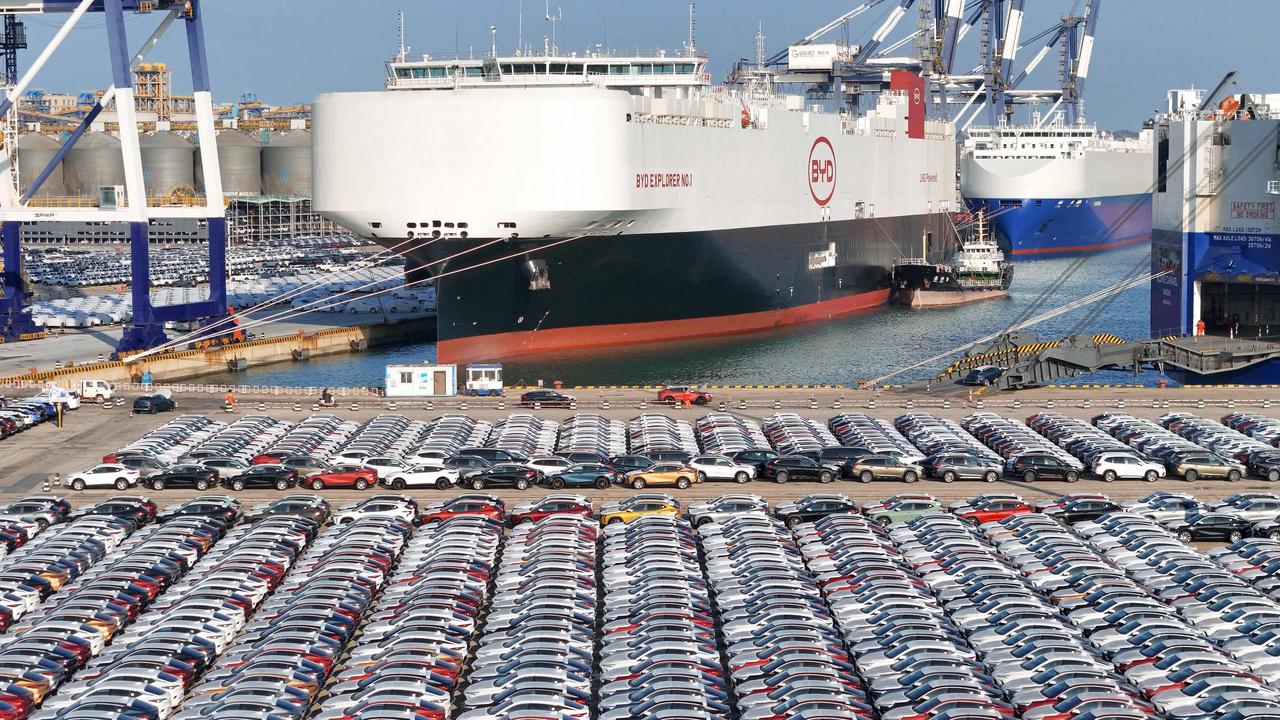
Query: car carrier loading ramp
<point>1029,362</point>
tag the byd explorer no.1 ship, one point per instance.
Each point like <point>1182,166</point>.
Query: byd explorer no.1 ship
<point>568,200</point>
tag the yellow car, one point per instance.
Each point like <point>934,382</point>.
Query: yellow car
<point>662,475</point>
<point>638,510</point>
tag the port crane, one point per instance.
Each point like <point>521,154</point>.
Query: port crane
<point>128,204</point>
<point>942,27</point>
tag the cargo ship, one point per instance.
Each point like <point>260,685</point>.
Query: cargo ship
<point>977,272</point>
<point>1059,189</point>
<point>564,201</point>
<point>1216,241</point>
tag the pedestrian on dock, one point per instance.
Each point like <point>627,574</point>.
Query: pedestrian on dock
<point>231,399</point>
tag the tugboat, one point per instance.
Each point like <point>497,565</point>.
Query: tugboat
<point>978,271</point>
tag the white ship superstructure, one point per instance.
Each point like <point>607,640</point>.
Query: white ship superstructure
<point>1059,188</point>
<point>570,200</point>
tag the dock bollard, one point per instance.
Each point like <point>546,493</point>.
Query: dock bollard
<point>835,404</point>
<point>463,406</point>
<point>946,403</point>
<point>298,408</point>
<point>1266,402</point>
<point>431,405</point>
<point>355,406</point>
<point>1017,404</point>
<point>721,406</point>
<point>1085,403</point>
<point>777,404</point>
<point>1155,403</point>
<point>573,405</point>
<point>742,404</point>
<point>813,403</point>
<point>604,404</point>
<point>643,404</point>
<point>262,407</point>
<point>871,404</point>
<point>1120,403</point>
<point>315,407</point>
<point>391,407</point>
<point>1048,403</point>
<point>536,406</point>
<point>502,404</point>
<point>978,403</point>
<point>57,479</point>
<point>1200,403</point>
<point>1231,403</point>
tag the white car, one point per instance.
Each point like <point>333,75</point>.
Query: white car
<point>1123,466</point>
<point>384,466</point>
<point>432,476</point>
<point>719,467</point>
<point>374,508</point>
<point>105,475</point>
<point>1256,510</point>
<point>549,464</point>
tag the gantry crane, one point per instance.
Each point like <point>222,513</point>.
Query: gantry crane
<point>16,209</point>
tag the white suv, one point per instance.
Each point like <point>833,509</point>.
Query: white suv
<point>106,475</point>
<point>1123,466</point>
<point>718,467</point>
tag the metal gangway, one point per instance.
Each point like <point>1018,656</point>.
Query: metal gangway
<point>1030,362</point>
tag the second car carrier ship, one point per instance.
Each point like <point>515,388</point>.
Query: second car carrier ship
<point>566,200</point>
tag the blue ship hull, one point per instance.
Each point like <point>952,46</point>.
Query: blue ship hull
<point>1031,229</point>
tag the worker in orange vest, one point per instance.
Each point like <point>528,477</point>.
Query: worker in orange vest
<point>1200,328</point>
<point>231,399</point>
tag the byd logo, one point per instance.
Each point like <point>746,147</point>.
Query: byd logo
<point>822,171</point>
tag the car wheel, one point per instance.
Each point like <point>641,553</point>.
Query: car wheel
<point>77,484</point>
<point>398,484</point>
<point>866,476</point>
<point>741,477</point>
<point>614,521</point>
<point>826,477</point>
<point>361,483</point>
<point>522,484</point>
<point>700,400</point>
<point>991,476</point>
<point>910,476</point>
<point>121,483</point>
<point>1151,476</point>
<point>282,485</point>
<point>1234,536</point>
<point>702,477</point>
<point>1274,534</point>
<point>558,484</point>
<point>601,482</point>
<point>237,485</point>
<point>1073,476</point>
<point>441,484</point>
<point>885,521</point>
<point>1109,476</point>
<point>157,484</point>
<point>638,483</point>
<point>317,484</point>
<point>202,484</point>
<point>682,483</point>
<point>1273,474</point>
<point>781,477</point>
<point>1233,476</point>
<point>477,484</point>
<point>1184,536</point>
<point>1028,476</point>
<point>1191,475</point>
<point>793,521</point>
<point>949,476</point>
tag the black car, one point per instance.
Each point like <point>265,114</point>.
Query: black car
<point>755,458</point>
<point>798,467</point>
<point>1033,466</point>
<point>545,398</point>
<point>1211,526</point>
<point>984,375</point>
<point>226,510</point>
<point>317,512</point>
<point>138,513</point>
<point>153,404</point>
<point>467,463</point>
<point>263,476</point>
<point>1264,463</point>
<point>808,509</point>
<point>504,475</point>
<point>670,456</point>
<point>627,463</point>
<point>184,476</point>
<point>1082,510</point>
<point>493,455</point>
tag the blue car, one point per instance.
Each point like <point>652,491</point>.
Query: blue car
<point>152,404</point>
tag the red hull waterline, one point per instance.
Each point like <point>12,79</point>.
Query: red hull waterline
<point>1082,248</point>
<point>504,345</point>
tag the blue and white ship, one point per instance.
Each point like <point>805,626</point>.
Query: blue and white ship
<point>1215,238</point>
<point>1058,189</point>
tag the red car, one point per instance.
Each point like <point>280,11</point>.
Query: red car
<point>343,476</point>
<point>680,394</point>
<point>547,507</point>
<point>464,505</point>
<point>994,511</point>
<point>269,458</point>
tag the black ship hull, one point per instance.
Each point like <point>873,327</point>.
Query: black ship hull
<point>506,297</point>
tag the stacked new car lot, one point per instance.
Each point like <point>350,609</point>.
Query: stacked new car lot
<point>659,655</point>
<point>786,657</point>
<point>535,657</point>
<point>1258,456</point>
<point>1179,455</point>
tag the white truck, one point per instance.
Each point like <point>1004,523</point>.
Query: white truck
<point>97,391</point>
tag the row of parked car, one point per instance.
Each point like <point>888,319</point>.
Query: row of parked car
<point>902,609</point>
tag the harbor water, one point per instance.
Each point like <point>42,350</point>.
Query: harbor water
<point>840,352</point>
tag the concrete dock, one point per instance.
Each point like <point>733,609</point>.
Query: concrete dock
<point>29,459</point>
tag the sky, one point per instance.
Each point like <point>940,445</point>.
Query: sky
<point>287,51</point>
